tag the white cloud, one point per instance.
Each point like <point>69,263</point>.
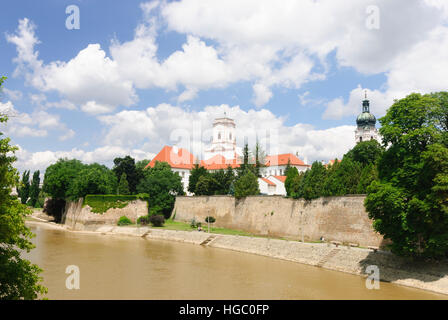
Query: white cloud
<point>36,124</point>
<point>165,124</point>
<point>12,94</point>
<point>263,42</point>
<point>90,76</point>
<point>262,94</point>
<point>422,69</point>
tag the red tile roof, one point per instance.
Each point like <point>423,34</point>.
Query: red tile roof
<point>269,182</point>
<point>220,162</point>
<point>280,178</point>
<point>180,158</point>
<point>183,159</point>
<point>282,159</point>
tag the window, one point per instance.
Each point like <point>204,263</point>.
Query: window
<point>219,136</point>
<point>230,136</point>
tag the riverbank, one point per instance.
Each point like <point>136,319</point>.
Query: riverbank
<point>427,276</point>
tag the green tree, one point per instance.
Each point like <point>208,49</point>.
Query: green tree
<point>366,152</point>
<point>368,175</point>
<point>313,181</point>
<point>195,174</point>
<point>246,185</point>
<point>59,177</point>
<point>34,190</point>
<point>127,165</point>
<point>260,158</point>
<point>162,185</point>
<point>206,185</point>
<point>222,181</point>
<point>245,166</point>
<point>19,278</point>
<point>92,179</point>
<point>409,202</point>
<point>291,174</point>
<point>24,190</point>
<point>123,186</point>
<point>342,178</point>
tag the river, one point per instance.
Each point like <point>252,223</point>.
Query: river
<point>119,267</point>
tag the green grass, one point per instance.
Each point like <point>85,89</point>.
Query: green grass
<point>102,203</point>
<point>184,226</point>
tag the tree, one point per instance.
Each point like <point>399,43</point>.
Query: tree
<point>409,202</point>
<point>123,186</point>
<point>342,178</point>
<point>245,166</point>
<point>223,180</point>
<point>246,185</point>
<point>24,190</point>
<point>206,186</point>
<point>366,152</point>
<point>312,182</point>
<point>59,176</point>
<point>127,165</point>
<point>162,185</point>
<point>195,174</point>
<point>291,174</point>
<point>34,190</point>
<point>260,158</point>
<point>368,175</point>
<point>92,179</point>
<point>19,279</point>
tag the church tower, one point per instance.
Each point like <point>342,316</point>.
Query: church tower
<point>366,122</point>
<point>224,139</point>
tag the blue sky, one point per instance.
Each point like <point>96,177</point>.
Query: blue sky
<point>137,74</point>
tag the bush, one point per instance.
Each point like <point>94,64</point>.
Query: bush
<point>193,223</point>
<point>210,219</point>
<point>155,210</point>
<point>157,220</point>
<point>124,221</point>
<point>143,220</point>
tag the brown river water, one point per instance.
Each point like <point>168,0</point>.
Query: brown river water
<point>118,267</point>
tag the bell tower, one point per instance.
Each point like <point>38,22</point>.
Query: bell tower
<point>366,122</point>
<point>224,138</point>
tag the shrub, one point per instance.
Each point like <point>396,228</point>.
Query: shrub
<point>155,210</point>
<point>210,219</point>
<point>143,220</point>
<point>124,221</point>
<point>157,220</point>
<point>193,223</point>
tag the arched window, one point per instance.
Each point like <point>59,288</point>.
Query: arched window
<point>230,136</point>
<point>219,136</point>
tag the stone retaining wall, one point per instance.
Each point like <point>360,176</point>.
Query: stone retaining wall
<point>77,217</point>
<point>341,219</point>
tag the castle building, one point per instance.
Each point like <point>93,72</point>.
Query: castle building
<point>366,122</point>
<point>223,153</point>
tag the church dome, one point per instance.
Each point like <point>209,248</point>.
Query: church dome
<point>366,119</point>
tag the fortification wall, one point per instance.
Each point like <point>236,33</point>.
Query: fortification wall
<point>77,217</point>
<point>341,219</point>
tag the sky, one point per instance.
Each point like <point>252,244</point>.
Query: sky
<point>133,76</point>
